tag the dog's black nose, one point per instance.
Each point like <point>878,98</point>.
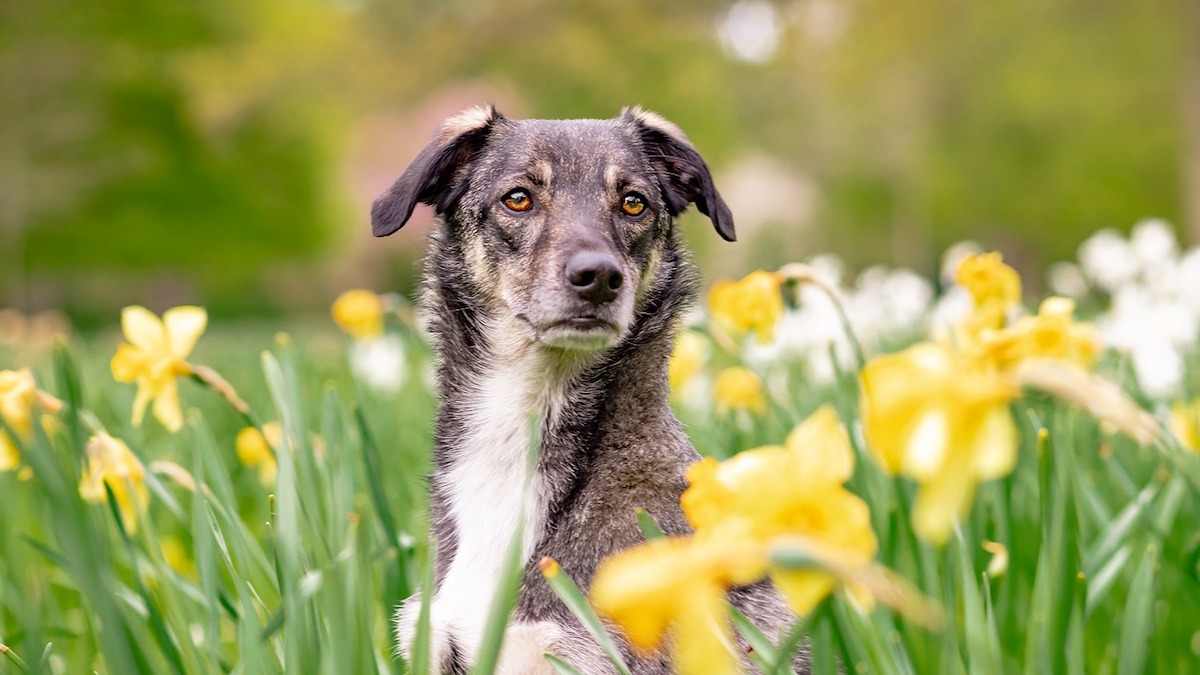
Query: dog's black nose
<point>595,276</point>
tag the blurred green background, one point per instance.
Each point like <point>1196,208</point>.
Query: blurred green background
<point>225,152</point>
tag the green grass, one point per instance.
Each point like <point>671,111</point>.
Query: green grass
<point>1103,536</point>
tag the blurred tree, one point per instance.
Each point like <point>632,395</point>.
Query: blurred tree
<point>113,165</point>
<point>194,146</point>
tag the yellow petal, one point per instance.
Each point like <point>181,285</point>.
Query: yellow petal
<point>702,642</point>
<point>803,589</point>
<point>143,329</point>
<point>166,405</point>
<point>145,393</point>
<point>9,457</point>
<point>822,445</point>
<point>927,445</point>
<point>995,449</point>
<point>128,364</point>
<point>184,326</point>
<point>940,502</point>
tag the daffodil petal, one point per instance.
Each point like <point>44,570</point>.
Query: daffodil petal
<point>166,406</point>
<point>822,446</point>
<point>702,641</point>
<point>995,452</point>
<point>927,445</point>
<point>144,395</point>
<point>940,502</point>
<point>184,326</point>
<point>128,363</point>
<point>142,329</point>
<point>9,457</point>
<point>803,589</point>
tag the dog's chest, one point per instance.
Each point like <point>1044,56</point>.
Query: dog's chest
<point>490,487</point>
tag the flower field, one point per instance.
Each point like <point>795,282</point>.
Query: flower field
<point>941,476</point>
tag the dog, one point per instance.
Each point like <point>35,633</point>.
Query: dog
<point>553,289</point>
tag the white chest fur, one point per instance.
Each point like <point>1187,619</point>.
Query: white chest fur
<point>490,487</point>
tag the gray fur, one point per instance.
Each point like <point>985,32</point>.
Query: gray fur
<point>494,284</point>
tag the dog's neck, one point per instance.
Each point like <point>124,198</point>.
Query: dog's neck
<point>501,395</point>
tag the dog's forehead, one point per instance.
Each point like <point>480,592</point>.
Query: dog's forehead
<point>573,149</point>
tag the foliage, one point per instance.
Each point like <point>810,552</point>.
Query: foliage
<point>1082,559</point>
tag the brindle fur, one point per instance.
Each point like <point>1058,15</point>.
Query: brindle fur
<point>494,282</point>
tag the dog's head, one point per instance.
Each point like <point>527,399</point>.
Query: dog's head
<point>561,225</point>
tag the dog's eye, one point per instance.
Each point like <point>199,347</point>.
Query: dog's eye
<point>517,200</point>
<point>633,204</point>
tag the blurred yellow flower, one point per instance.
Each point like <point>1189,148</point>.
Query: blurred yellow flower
<point>111,462</point>
<point>18,395</point>
<point>155,355</point>
<point>941,420</point>
<point>360,313</point>
<point>254,450</point>
<point>738,389</point>
<point>753,304</point>
<point>688,359</point>
<point>989,280</point>
<point>1053,334</point>
<point>1185,424</point>
<point>791,490</point>
<point>175,554</point>
<point>678,584</point>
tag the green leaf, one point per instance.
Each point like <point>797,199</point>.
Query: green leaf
<point>502,605</point>
<point>564,587</point>
<point>983,645</point>
<point>1138,620</point>
<point>762,652</point>
<point>560,666</point>
<point>647,523</point>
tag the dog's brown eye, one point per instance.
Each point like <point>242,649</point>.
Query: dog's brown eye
<point>518,200</point>
<point>633,204</point>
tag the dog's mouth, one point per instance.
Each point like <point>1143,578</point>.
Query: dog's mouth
<point>579,332</point>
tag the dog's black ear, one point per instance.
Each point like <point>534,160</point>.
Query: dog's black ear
<point>682,174</point>
<point>432,176</point>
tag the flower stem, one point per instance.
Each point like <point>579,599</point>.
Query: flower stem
<point>214,381</point>
<point>12,656</point>
<point>801,273</point>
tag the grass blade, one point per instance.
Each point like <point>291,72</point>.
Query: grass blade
<point>1138,620</point>
<point>562,667</point>
<point>502,605</point>
<point>762,652</point>
<point>564,587</point>
<point>647,524</point>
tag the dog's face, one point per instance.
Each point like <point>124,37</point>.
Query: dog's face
<point>561,225</point>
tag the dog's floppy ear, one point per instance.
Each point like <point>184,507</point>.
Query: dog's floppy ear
<point>683,176</point>
<point>431,178</point>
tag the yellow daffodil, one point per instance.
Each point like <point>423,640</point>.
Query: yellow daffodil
<point>790,490</point>
<point>687,361</point>
<point>18,395</point>
<point>111,462</point>
<point>678,584</point>
<point>175,554</point>
<point>19,398</point>
<point>155,355</point>
<point>941,420</point>
<point>995,289</point>
<point>254,450</point>
<point>1185,424</point>
<point>739,389</point>
<point>359,313</point>
<point>753,304</point>
<point>989,280</point>
<point>1051,334</point>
